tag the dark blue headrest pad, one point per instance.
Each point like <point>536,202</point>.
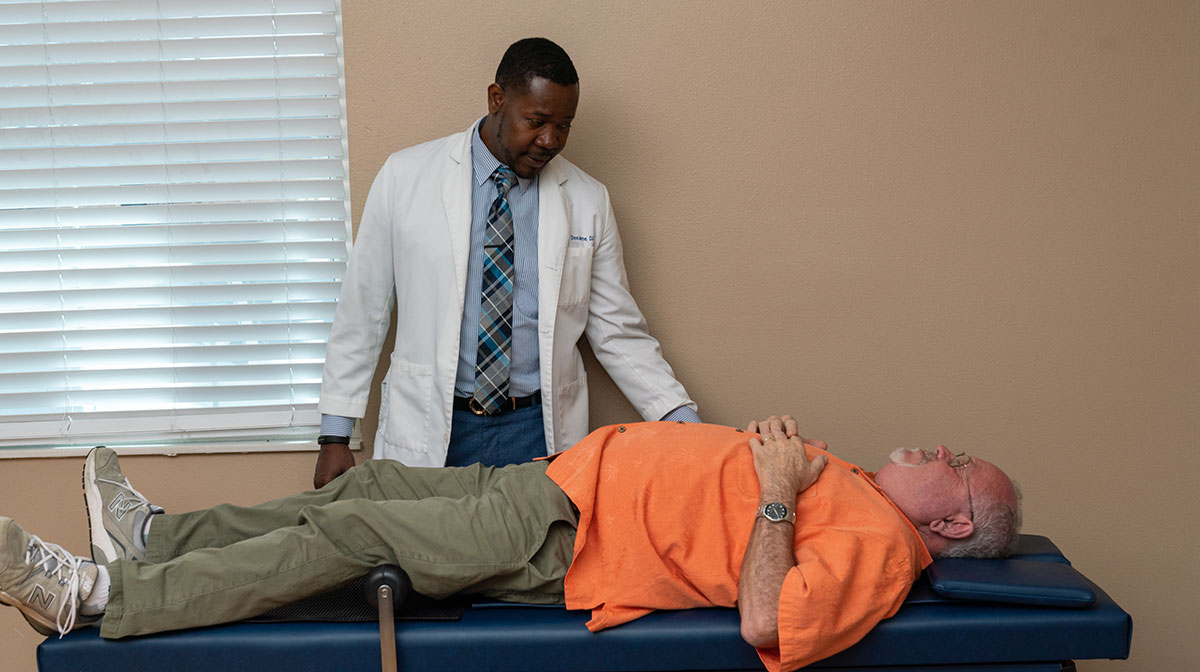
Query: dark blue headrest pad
<point>1015,581</point>
<point>1036,547</point>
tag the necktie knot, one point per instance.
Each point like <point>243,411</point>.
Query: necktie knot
<point>505,179</point>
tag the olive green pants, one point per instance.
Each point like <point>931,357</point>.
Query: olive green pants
<point>507,533</point>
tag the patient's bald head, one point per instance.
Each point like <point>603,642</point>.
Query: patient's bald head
<point>963,506</point>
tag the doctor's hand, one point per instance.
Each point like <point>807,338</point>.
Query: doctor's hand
<point>333,461</point>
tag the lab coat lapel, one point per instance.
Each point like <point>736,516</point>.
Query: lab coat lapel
<point>456,198</point>
<point>553,230</point>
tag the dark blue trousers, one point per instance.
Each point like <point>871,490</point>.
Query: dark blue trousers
<point>516,436</point>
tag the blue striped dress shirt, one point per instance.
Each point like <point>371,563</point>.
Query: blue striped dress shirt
<point>523,200</point>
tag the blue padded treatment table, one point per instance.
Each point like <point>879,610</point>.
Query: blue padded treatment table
<point>1024,632</point>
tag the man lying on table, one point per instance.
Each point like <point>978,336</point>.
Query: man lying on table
<point>812,550</point>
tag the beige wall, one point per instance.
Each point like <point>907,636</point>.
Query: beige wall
<point>906,223</point>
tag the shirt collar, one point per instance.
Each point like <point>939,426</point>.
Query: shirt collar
<point>485,163</point>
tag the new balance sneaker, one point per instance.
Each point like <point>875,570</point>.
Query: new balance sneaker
<point>42,580</point>
<point>116,512</point>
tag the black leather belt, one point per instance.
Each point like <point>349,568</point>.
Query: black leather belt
<point>509,404</point>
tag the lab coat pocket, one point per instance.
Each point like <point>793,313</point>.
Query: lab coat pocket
<point>404,404</point>
<point>572,403</point>
<point>576,284</point>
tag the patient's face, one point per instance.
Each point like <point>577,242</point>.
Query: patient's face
<point>926,488</point>
<point>924,485</point>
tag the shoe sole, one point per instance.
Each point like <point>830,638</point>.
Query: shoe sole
<point>95,515</point>
<point>34,619</point>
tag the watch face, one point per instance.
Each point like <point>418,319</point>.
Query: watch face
<point>775,512</point>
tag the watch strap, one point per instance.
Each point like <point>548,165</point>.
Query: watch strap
<point>329,438</point>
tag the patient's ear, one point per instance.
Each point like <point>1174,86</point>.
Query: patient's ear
<point>958,526</point>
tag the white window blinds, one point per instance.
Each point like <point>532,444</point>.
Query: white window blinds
<point>174,218</point>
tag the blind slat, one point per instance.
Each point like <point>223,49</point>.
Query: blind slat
<point>63,95</point>
<point>118,10</point>
<point>80,403</point>
<point>116,215</point>
<point>149,298</point>
<point>167,193</point>
<point>51,282</point>
<point>168,255</point>
<point>51,321</point>
<point>86,116</point>
<point>250,67</point>
<point>182,174</point>
<point>179,234</point>
<point>158,337</point>
<point>188,143</point>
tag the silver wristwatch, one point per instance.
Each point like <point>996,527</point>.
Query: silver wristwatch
<point>776,512</point>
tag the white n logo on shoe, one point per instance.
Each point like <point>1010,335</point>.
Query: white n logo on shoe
<point>115,505</point>
<point>40,596</point>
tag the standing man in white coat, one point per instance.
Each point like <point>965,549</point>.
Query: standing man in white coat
<point>498,257</point>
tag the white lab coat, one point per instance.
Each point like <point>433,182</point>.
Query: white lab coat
<point>411,250</point>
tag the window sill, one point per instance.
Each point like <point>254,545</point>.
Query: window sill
<point>173,449</point>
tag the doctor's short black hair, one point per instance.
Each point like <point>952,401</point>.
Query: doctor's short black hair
<point>534,57</point>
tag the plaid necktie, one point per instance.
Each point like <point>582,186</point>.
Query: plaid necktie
<point>495,312</point>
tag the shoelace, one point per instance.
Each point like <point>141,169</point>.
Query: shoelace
<point>131,501</point>
<point>66,569</point>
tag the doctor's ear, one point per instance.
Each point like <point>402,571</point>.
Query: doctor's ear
<point>958,526</point>
<point>495,98</point>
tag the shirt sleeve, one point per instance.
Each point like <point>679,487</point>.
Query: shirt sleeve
<point>682,414</point>
<point>336,425</point>
<point>617,331</point>
<point>840,588</point>
<point>364,307</point>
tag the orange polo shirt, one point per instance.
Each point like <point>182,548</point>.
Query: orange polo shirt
<point>665,514</point>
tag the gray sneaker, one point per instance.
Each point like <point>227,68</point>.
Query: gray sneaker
<point>116,512</point>
<point>42,580</point>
